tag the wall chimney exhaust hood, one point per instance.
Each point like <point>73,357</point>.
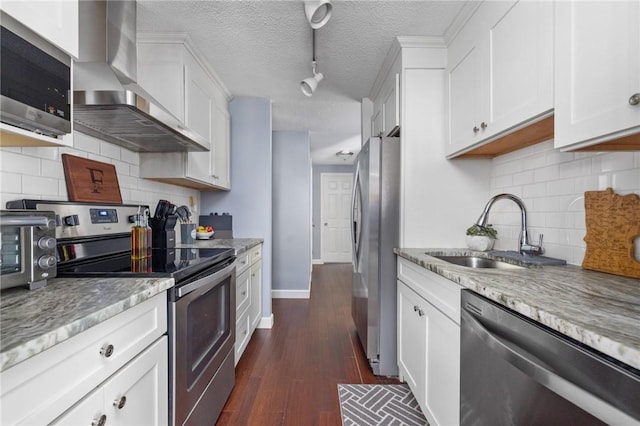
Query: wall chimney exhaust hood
<point>107,101</point>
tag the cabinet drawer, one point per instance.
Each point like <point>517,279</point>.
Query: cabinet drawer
<point>243,285</point>
<point>255,254</point>
<point>41,388</point>
<point>242,262</point>
<point>243,334</point>
<point>442,293</point>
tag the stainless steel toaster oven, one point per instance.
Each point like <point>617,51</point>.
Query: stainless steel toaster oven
<point>28,253</point>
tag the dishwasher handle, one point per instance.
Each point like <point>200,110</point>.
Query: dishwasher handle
<point>544,374</point>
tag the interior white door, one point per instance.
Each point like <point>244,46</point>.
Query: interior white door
<point>335,216</point>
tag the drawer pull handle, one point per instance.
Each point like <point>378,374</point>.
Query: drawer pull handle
<point>107,350</point>
<point>120,402</point>
<point>634,99</point>
<point>100,421</point>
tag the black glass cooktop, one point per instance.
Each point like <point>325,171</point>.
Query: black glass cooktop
<point>177,263</point>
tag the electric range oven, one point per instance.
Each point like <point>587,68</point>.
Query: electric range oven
<point>95,241</point>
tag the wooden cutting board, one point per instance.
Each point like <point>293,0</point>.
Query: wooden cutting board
<point>91,181</point>
<point>613,222</point>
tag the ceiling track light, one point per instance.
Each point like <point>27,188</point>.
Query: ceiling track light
<point>318,12</point>
<point>308,85</point>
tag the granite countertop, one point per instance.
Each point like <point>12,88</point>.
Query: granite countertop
<point>33,321</point>
<point>240,245</point>
<point>599,310</point>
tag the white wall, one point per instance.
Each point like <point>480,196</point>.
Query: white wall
<point>249,201</point>
<point>552,185</point>
<point>37,173</point>
<point>291,214</point>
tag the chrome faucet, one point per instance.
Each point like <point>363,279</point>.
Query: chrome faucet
<point>525,247</point>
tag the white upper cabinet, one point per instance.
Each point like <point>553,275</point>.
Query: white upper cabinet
<point>54,20</point>
<point>597,72</point>
<point>391,106</point>
<point>173,73</point>
<point>500,72</point>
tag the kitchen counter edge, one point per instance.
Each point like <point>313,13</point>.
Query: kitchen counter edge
<point>34,321</point>
<point>601,311</point>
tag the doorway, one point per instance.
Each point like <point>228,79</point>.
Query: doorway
<point>335,217</point>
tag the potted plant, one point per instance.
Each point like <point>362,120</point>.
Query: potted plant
<point>481,238</point>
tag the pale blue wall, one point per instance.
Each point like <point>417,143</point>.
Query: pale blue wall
<point>291,210</point>
<point>317,170</point>
<point>249,201</point>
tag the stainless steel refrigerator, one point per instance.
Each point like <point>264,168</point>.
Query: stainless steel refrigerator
<point>375,231</point>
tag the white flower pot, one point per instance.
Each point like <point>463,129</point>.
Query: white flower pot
<point>480,243</point>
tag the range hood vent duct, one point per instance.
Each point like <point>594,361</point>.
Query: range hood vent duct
<point>107,101</point>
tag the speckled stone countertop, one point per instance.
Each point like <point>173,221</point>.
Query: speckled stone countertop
<point>597,309</point>
<point>240,245</point>
<point>32,321</point>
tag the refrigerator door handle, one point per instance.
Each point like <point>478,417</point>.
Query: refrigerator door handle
<point>354,243</point>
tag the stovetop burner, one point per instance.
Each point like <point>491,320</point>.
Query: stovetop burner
<point>177,263</point>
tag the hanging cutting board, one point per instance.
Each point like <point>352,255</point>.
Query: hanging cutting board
<point>91,181</point>
<point>613,222</point>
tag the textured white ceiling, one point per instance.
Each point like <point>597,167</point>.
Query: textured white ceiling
<point>264,48</point>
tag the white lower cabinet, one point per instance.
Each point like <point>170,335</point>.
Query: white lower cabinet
<point>429,341</point>
<point>248,297</point>
<point>77,379</point>
<point>129,397</point>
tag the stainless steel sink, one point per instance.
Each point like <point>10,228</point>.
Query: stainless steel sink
<point>478,262</point>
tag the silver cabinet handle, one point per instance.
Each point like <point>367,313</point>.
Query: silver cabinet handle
<point>634,99</point>
<point>99,421</point>
<point>119,403</point>
<point>420,313</point>
<point>483,125</point>
<point>107,350</point>
<point>244,293</point>
<point>475,129</point>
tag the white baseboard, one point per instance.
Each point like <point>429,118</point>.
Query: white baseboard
<point>317,262</point>
<point>266,322</point>
<point>291,294</point>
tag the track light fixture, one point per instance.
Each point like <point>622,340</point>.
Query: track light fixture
<point>308,85</point>
<point>318,12</point>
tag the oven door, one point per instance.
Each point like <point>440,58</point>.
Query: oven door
<point>202,335</point>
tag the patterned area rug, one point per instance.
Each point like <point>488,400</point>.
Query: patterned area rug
<point>368,405</point>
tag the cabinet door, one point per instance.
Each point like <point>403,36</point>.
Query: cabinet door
<point>520,71</point>
<point>54,20</point>
<point>597,71</point>
<point>220,149</point>
<point>198,102</point>
<point>464,99</point>
<point>391,106</point>
<point>412,340</point>
<point>138,394</point>
<point>88,411</point>
<point>255,308</point>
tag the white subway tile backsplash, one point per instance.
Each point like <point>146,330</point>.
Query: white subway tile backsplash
<point>555,197</point>
<point>523,178</point>
<point>37,172</point>
<point>36,185</point>
<point>546,174</point>
<point>109,150</point>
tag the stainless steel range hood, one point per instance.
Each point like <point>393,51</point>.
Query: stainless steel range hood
<point>107,101</point>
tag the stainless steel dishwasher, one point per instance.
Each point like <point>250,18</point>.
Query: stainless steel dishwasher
<point>514,371</point>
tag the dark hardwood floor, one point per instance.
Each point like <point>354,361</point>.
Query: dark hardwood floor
<point>289,374</point>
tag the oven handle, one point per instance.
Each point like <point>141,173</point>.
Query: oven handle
<point>211,280</point>
<point>24,221</point>
<point>524,361</point>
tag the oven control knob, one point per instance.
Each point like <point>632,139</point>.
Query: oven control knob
<point>71,220</point>
<point>46,262</point>
<point>47,243</point>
